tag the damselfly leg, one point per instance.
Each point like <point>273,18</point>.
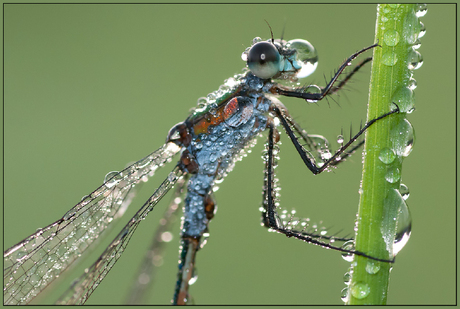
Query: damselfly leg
<point>270,218</point>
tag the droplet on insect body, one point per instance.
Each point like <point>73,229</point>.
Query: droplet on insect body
<point>347,256</point>
<point>112,179</point>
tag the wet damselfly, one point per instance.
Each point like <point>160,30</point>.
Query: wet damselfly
<point>230,108</point>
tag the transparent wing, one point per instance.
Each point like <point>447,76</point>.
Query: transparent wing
<point>35,262</point>
<point>84,286</point>
<point>155,256</point>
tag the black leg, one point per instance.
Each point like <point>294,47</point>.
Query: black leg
<point>330,88</point>
<point>318,146</point>
<point>270,217</point>
<point>283,116</point>
<point>342,83</point>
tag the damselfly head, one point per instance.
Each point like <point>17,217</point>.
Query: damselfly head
<point>279,59</point>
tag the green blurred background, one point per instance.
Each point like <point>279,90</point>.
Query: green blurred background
<point>89,88</point>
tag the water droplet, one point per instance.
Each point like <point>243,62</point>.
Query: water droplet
<point>404,190</point>
<point>312,89</point>
<point>404,98</point>
<point>171,177</point>
<point>143,279</point>
<point>420,9</point>
<point>415,60</point>
<point>344,295</point>
<point>256,40</point>
<point>393,174</point>
<point>397,222</point>
<point>417,44</point>
<point>112,178</point>
<point>347,256</point>
<point>411,28</point>
<point>403,228</point>
<point>255,83</point>
<point>422,31</point>
<point>372,267</point>
<point>340,139</point>
<point>201,102</point>
<point>402,137</point>
<point>166,236</point>
<point>211,97</point>
<point>360,290</point>
<point>19,255</point>
<point>194,277</point>
<point>306,57</point>
<point>389,59</point>
<point>346,278</point>
<point>391,37</point>
<point>387,155</point>
<point>412,84</point>
<point>326,154</point>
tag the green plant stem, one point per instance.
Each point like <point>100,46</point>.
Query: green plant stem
<point>376,224</point>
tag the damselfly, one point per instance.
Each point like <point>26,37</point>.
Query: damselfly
<point>240,110</point>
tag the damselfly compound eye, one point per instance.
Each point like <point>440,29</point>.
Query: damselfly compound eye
<point>263,60</point>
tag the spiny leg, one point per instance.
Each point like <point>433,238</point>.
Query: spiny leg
<point>329,88</point>
<point>270,218</point>
<point>318,146</point>
<point>283,116</point>
<point>270,193</point>
<point>344,81</point>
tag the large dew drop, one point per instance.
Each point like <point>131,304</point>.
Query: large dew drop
<point>397,223</point>
<point>411,28</point>
<point>404,98</point>
<point>402,137</point>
